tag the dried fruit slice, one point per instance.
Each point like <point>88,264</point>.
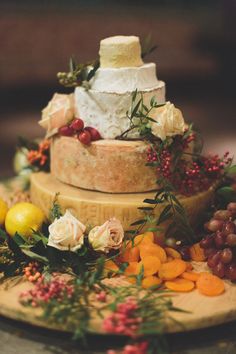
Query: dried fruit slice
<point>150,264</point>
<point>210,285</point>
<point>172,270</point>
<point>190,276</point>
<point>180,285</point>
<point>150,281</point>
<point>132,269</point>
<point>171,252</point>
<point>151,249</point>
<point>197,253</point>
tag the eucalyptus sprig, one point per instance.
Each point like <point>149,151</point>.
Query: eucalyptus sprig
<point>139,117</point>
<point>79,74</point>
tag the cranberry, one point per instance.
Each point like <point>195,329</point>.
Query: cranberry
<point>95,135</point>
<point>77,125</point>
<point>66,131</point>
<point>85,137</point>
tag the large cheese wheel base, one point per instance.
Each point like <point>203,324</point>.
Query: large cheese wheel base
<point>94,208</point>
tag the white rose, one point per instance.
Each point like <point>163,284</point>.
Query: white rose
<point>66,233</point>
<point>170,121</point>
<point>59,111</point>
<point>107,236</point>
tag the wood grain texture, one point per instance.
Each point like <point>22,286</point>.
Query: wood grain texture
<point>94,208</point>
<point>203,311</point>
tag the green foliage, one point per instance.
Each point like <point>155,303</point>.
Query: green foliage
<point>55,212</point>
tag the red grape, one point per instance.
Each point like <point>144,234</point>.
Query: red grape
<point>184,251</point>
<point>219,239</point>
<point>207,242</point>
<point>226,255</point>
<point>95,135</point>
<point>222,215</point>
<point>214,259</point>
<point>84,137</point>
<point>230,271</point>
<point>210,251</point>
<point>66,131</point>
<point>77,125</point>
<point>231,240</point>
<point>232,207</point>
<point>228,228</point>
<point>219,270</point>
<point>214,225</point>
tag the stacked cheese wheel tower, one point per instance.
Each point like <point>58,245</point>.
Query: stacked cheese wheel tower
<point>111,165</point>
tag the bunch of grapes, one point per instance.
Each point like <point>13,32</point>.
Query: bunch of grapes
<point>220,243</point>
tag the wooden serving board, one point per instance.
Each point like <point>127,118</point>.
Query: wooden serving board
<point>203,311</point>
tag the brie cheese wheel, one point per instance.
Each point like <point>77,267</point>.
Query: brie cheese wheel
<point>125,79</point>
<point>120,51</point>
<point>107,111</point>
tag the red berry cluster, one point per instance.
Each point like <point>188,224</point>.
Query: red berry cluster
<point>84,134</point>
<point>124,319</point>
<point>220,243</point>
<point>40,156</point>
<point>187,176</point>
<point>45,290</point>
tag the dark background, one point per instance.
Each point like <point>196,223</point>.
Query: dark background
<point>196,57</point>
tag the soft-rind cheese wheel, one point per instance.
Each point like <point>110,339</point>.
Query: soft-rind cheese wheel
<point>120,51</point>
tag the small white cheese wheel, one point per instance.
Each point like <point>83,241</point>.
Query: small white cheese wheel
<point>120,51</point>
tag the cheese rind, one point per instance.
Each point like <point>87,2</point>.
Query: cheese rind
<point>112,166</point>
<point>106,111</point>
<point>123,80</point>
<point>120,51</point>
<point>94,208</point>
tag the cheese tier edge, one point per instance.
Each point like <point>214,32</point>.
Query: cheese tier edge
<point>94,208</point>
<point>112,166</point>
<point>107,112</point>
<point>125,79</point>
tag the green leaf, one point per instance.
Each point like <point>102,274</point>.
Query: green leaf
<point>231,170</point>
<point>3,235</point>
<point>145,208</point>
<point>228,194</point>
<point>138,222</point>
<point>134,111</point>
<point>35,256</point>
<point>152,201</point>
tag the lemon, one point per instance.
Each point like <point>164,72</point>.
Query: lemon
<point>3,211</point>
<point>24,218</point>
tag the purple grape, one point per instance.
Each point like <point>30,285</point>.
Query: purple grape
<point>214,225</point>
<point>219,270</point>
<point>226,256</point>
<point>230,271</point>
<point>219,239</point>
<point>207,241</point>
<point>210,251</point>
<point>231,240</point>
<point>214,259</point>
<point>184,251</point>
<point>228,228</point>
<point>232,207</point>
<point>222,215</point>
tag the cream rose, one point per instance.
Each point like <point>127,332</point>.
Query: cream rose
<point>170,121</point>
<point>59,111</point>
<point>107,236</point>
<point>66,233</point>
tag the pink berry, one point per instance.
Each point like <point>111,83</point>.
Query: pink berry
<point>66,131</point>
<point>95,135</point>
<point>77,125</point>
<point>85,137</point>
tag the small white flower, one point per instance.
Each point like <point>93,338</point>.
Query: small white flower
<point>170,121</point>
<point>66,233</point>
<point>107,236</point>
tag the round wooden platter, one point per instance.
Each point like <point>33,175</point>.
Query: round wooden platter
<point>201,311</point>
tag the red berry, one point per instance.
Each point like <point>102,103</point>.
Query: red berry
<point>95,135</point>
<point>65,131</point>
<point>85,137</point>
<point>77,125</point>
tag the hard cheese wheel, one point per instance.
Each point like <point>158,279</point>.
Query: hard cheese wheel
<point>94,208</point>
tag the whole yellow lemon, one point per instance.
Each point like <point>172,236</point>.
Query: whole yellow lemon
<point>24,218</point>
<point>3,211</point>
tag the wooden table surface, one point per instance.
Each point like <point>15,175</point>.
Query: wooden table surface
<point>21,338</point>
